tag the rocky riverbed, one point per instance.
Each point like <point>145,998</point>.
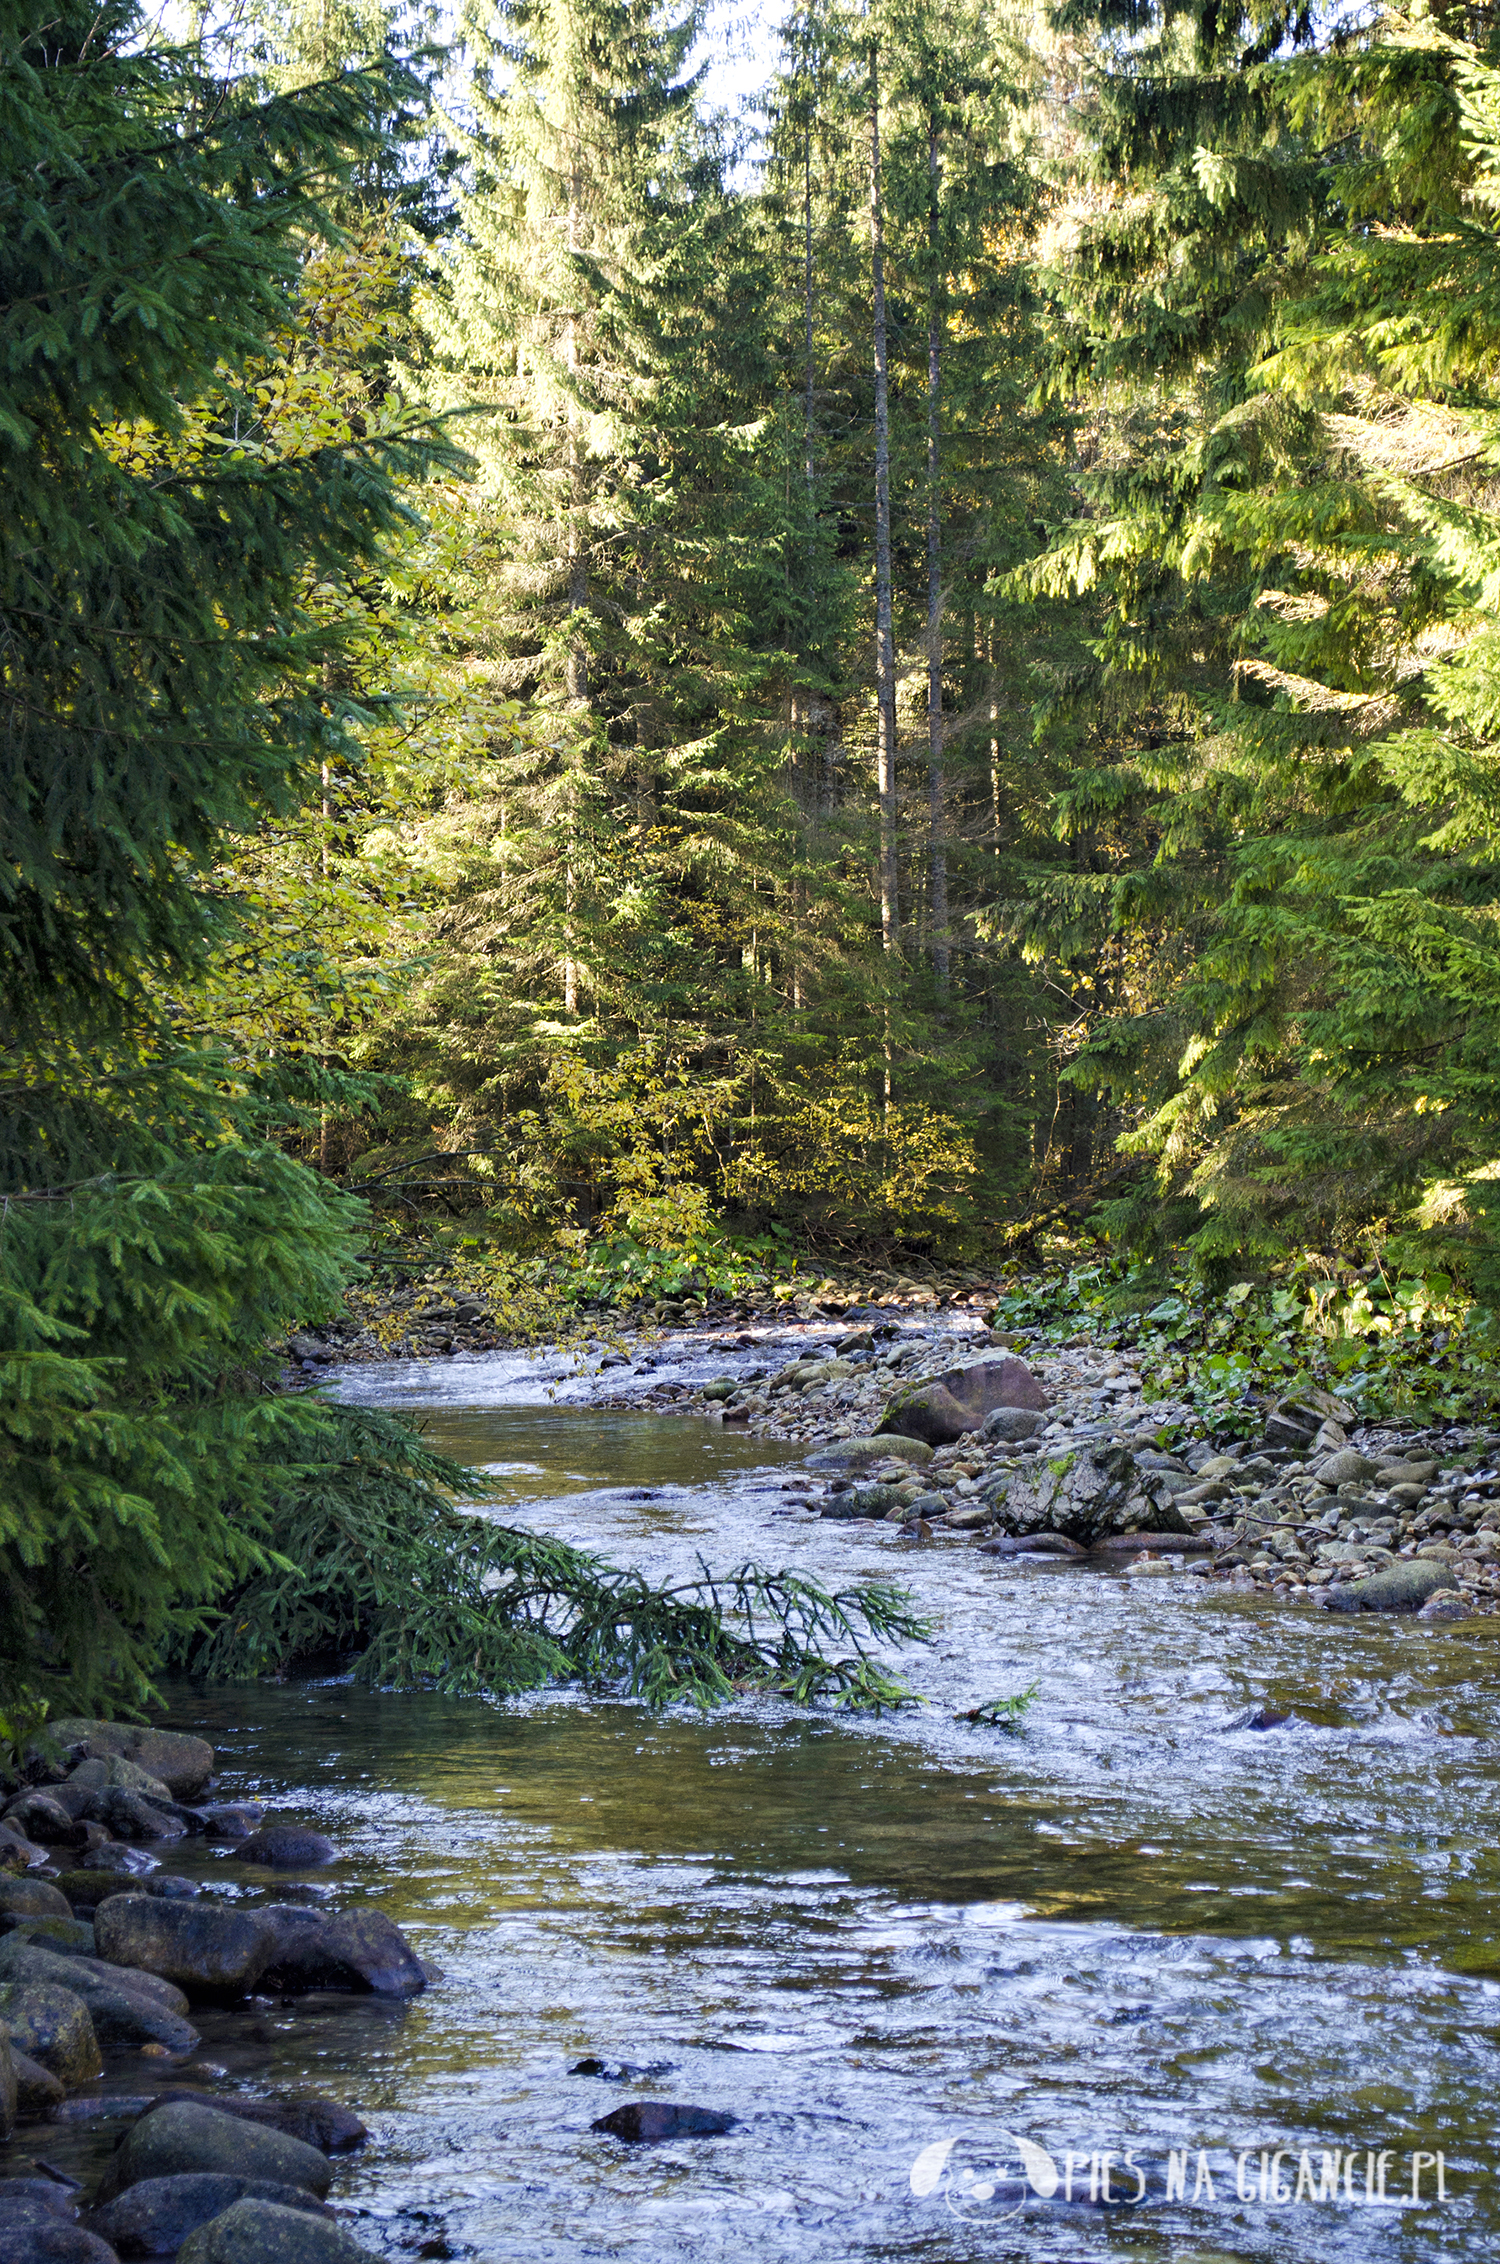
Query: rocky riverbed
<point>107,1956</point>
<point>1223,1887</point>
<point>1304,1503</point>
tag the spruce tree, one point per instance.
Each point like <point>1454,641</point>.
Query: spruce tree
<point>1292,555</point>
<point>162,689</point>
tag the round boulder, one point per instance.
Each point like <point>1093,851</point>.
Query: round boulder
<point>287,1847</point>
<point>31,1898</point>
<point>201,1947</point>
<point>42,1819</point>
<point>180,2139</point>
<point>53,2027</point>
<point>156,2216</point>
<point>259,2232</point>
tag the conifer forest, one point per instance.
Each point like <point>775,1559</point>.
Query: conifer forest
<point>749,1131</point>
<point>655,700</point>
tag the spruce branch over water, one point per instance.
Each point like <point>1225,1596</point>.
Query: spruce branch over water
<point>373,1557</point>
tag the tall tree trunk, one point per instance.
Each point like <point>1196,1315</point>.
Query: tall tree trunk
<point>994,753</point>
<point>885,643</point>
<point>807,313</point>
<point>938,847</point>
<point>578,590</point>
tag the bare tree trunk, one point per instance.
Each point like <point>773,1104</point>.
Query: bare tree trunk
<point>578,595</point>
<point>938,847</point>
<point>994,753</point>
<point>807,311</point>
<point>327,830</point>
<point>885,645</point>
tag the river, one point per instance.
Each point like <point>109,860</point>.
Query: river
<point>1130,1928</point>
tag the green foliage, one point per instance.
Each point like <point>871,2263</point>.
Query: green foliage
<point>151,608</point>
<point>1292,550</point>
<point>1408,1345</point>
<point>1008,1714</point>
<point>139,1435</point>
<point>166,519</point>
<point>371,1559</point>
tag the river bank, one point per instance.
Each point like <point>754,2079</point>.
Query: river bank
<point>1271,1507</point>
<point>1143,1921</point>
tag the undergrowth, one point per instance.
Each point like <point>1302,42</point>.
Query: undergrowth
<point>1390,1344</point>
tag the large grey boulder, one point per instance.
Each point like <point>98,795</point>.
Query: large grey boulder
<point>258,2232</point>
<point>41,1818</point>
<point>203,1948</point>
<point>52,2026</point>
<point>7,2087</point>
<point>1401,1587</point>
<point>31,1898</point>
<point>181,2140</point>
<point>355,1949</point>
<point>127,2010</point>
<point>959,1400</point>
<point>183,1764</point>
<point>37,2088</point>
<point>156,2216</point>
<point>1085,1496</point>
<point>287,1847</point>
<point>849,1454</point>
<point>135,1815</point>
<point>324,2123</point>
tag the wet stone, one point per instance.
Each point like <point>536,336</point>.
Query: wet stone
<point>53,2027</point>
<point>182,1763</point>
<point>156,2216</point>
<point>358,1949</point>
<point>645,2121</point>
<point>200,1947</point>
<point>1397,1588</point>
<point>38,2090</point>
<point>127,2010</point>
<point>290,1847</point>
<point>324,2123</point>
<point>180,2138</point>
<point>231,1819</point>
<point>261,2232</point>
<point>132,1816</point>
<point>42,1818</point>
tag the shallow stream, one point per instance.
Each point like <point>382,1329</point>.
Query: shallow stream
<point>1132,1926</point>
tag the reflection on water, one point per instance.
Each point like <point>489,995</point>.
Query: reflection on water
<point>1130,1926</point>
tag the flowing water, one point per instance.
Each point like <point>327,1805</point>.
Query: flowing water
<point>1131,1927</point>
